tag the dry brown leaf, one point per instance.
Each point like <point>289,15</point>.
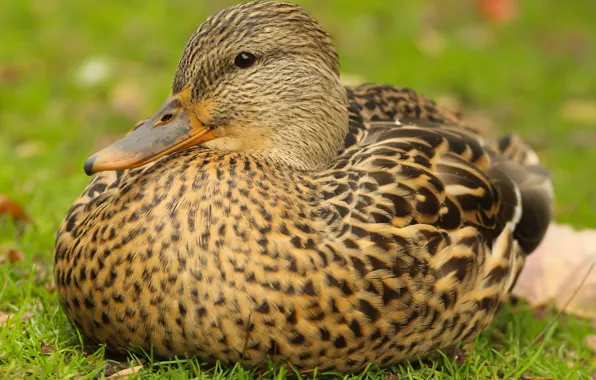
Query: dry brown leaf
<point>555,271</point>
<point>579,110</point>
<point>125,373</point>
<point>15,256</point>
<point>47,349</point>
<point>13,209</point>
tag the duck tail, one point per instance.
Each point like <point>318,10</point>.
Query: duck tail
<point>526,190</point>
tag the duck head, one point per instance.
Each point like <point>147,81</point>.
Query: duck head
<point>259,77</point>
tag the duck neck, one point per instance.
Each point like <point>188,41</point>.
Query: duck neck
<point>313,131</point>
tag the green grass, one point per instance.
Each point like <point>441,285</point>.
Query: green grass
<point>519,75</point>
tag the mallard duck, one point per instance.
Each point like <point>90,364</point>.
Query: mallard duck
<point>266,212</point>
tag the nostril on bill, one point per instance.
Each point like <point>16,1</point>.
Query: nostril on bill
<point>165,118</point>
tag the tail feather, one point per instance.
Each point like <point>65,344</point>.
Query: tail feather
<point>529,202</point>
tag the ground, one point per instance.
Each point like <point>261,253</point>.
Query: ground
<point>74,77</point>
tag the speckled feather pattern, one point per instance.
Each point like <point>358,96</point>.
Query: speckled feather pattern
<point>405,243</point>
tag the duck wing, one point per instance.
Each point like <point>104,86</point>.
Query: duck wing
<point>377,103</point>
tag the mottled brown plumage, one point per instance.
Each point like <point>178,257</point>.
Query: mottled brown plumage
<point>314,224</point>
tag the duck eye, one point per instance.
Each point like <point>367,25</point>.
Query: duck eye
<point>245,60</point>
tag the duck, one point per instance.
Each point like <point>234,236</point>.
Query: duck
<point>266,212</point>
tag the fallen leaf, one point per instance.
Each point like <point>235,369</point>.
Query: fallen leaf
<point>579,110</point>
<point>556,270</point>
<point>15,256</point>
<point>498,11</point>
<point>13,209</point>
<point>47,349</point>
<point>125,373</point>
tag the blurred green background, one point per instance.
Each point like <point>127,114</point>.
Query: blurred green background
<point>75,76</point>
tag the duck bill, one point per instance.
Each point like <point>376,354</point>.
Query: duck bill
<point>172,128</point>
